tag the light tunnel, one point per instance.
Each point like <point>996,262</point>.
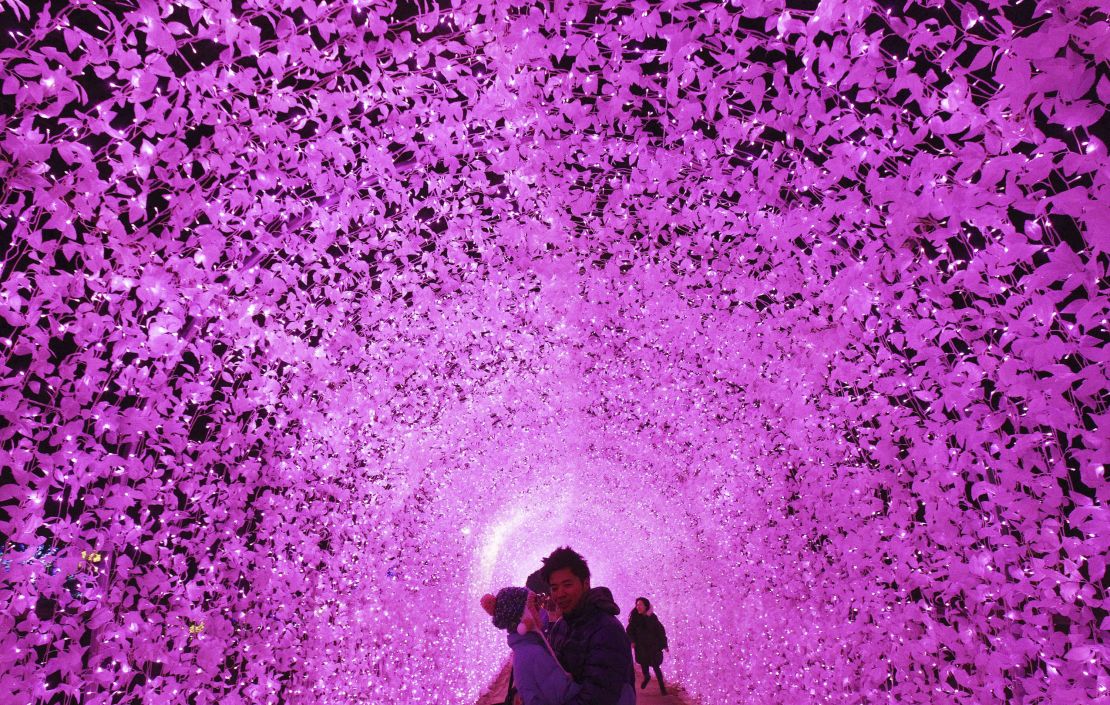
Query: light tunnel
<point>320,320</point>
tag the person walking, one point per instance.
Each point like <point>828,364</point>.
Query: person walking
<point>649,641</point>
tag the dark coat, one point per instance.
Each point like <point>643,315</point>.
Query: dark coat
<point>592,645</point>
<point>648,636</point>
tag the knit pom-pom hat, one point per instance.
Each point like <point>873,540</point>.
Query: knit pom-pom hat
<point>489,602</point>
<point>509,607</point>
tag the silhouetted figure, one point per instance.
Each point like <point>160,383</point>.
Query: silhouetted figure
<point>537,584</point>
<point>649,640</point>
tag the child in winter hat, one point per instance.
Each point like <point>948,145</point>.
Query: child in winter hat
<point>508,608</point>
<point>539,677</point>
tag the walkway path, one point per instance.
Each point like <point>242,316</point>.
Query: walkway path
<point>647,696</point>
<point>650,695</point>
<point>496,693</point>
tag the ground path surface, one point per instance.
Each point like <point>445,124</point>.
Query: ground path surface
<point>651,696</point>
<point>646,696</point>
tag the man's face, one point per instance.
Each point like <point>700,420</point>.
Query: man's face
<point>567,589</point>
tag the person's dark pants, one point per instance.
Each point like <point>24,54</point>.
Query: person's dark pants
<point>647,677</point>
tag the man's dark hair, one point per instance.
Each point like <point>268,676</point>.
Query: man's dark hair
<point>565,557</point>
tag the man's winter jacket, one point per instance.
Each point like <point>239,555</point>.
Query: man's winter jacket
<point>592,645</point>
